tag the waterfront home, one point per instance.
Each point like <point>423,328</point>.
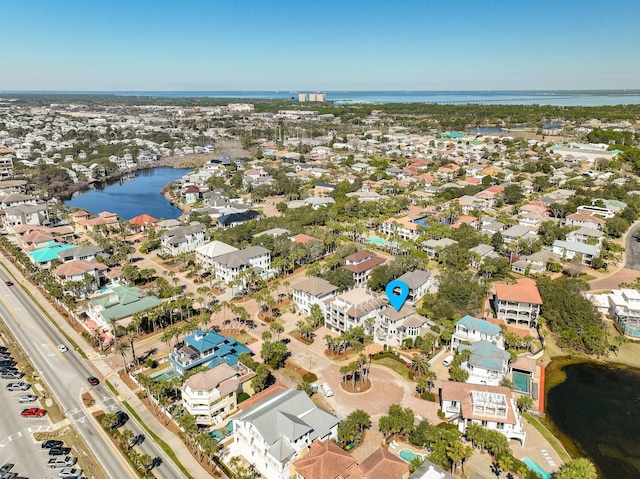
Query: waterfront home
<point>326,460</point>
<point>352,308</point>
<point>210,396</point>
<point>487,364</point>
<point>279,430</point>
<point>492,407</point>
<point>519,303</point>
<point>624,306</point>
<point>205,349</point>
<point>184,239</point>
<point>312,291</point>
<point>230,220</point>
<point>119,305</point>
<point>470,330</point>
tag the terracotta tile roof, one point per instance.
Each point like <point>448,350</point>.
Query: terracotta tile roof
<point>495,189</point>
<point>461,392</point>
<point>143,219</point>
<point>76,267</point>
<point>359,256</point>
<point>384,465</point>
<point>579,217</point>
<point>524,291</point>
<point>326,460</point>
<point>303,239</point>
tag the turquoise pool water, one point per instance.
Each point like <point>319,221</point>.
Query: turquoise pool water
<point>534,466</point>
<point>166,376</point>
<point>408,456</point>
<point>380,241</point>
<point>521,381</point>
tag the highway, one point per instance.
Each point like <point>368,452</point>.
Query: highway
<point>66,375</point>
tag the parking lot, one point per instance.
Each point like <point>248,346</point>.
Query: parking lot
<point>17,444</point>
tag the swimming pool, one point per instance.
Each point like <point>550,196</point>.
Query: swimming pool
<point>381,241</point>
<point>408,456</point>
<point>534,466</point>
<point>521,382</point>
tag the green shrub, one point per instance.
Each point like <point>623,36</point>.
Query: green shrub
<point>309,378</point>
<point>435,328</point>
<point>243,396</point>
<point>151,363</point>
<point>441,414</point>
<point>427,396</point>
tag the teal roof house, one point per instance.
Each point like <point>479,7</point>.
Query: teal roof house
<point>488,364</point>
<point>42,257</point>
<point>206,349</point>
<point>470,330</point>
<point>121,304</point>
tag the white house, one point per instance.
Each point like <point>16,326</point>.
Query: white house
<point>472,329</point>
<point>184,239</point>
<point>278,430</point>
<point>228,266</point>
<point>569,249</point>
<point>312,291</point>
<point>352,308</point>
<point>492,407</point>
<point>624,306</point>
<point>419,282</point>
<point>206,253</point>
<point>487,364</point>
<point>393,326</point>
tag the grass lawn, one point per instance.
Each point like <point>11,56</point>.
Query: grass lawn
<point>394,365</point>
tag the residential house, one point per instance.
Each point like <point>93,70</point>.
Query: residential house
<point>119,306</point>
<point>206,253</point>
<point>277,431</point>
<point>492,407</point>
<point>428,470</point>
<point>25,214</point>
<point>90,275</point>
<point>205,349</point>
<point>519,303</point>
<point>487,364</point>
<point>586,236</point>
<point>312,291</point>
<point>352,308</point>
<point>624,306</point>
<point>535,263</point>
<point>480,253</point>
<point>519,232</point>
<point>433,247</point>
<point>184,239</point>
<point>361,265</point>
<point>228,266</point>
<point>393,327</point>
<point>42,257</point>
<point>233,219</point>
<point>210,396</point>
<point>404,227</point>
<point>86,253</point>
<point>419,282</point>
<point>471,330</point>
<point>570,249</point>
<point>588,221</point>
<point>141,222</point>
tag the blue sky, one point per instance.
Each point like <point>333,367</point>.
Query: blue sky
<point>325,46</point>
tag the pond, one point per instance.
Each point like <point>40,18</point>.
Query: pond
<point>132,195</point>
<point>593,408</point>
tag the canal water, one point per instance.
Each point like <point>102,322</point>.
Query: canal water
<point>594,408</point>
<point>132,195</point>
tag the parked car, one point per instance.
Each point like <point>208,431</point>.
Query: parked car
<point>326,389</point>
<point>33,412</point>
<point>70,472</point>
<point>62,348</point>
<point>59,451</point>
<point>93,381</point>
<point>447,361</point>
<point>49,443</point>
<point>62,461</point>
<point>8,369</point>
<point>8,283</point>
<point>20,386</point>
<point>8,475</point>
<point>27,398</point>
<point>3,348</point>
<point>6,467</point>
<point>12,375</point>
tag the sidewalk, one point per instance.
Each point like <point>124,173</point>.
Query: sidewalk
<point>98,364</point>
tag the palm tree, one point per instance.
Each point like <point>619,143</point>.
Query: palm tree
<point>419,364</point>
<point>121,348</point>
<point>127,437</point>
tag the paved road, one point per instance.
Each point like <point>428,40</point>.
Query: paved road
<point>633,250</point>
<point>66,374</point>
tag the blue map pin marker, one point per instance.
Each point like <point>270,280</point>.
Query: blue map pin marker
<point>397,300</point>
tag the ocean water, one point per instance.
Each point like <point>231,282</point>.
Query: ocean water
<point>517,97</point>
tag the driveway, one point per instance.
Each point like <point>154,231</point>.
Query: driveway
<point>633,249</point>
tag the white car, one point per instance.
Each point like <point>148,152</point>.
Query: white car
<point>62,348</point>
<point>27,398</point>
<point>326,389</point>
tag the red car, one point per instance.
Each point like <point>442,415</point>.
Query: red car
<point>8,283</point>
<point>93,381</point>
<point>33,412</point>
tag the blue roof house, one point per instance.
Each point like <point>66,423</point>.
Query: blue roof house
<point>206,349</point>
<point>470,330</point>
<point>488,364</point>
<point>42,257</point>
